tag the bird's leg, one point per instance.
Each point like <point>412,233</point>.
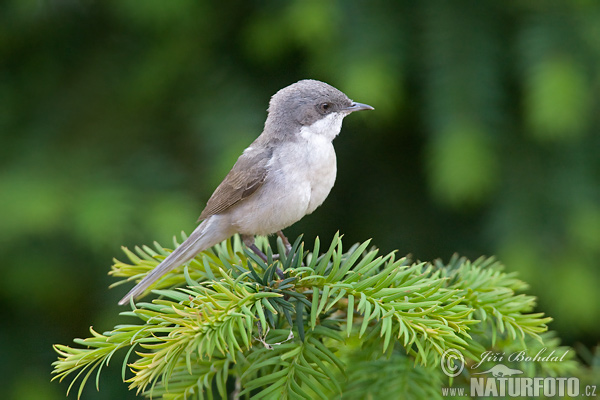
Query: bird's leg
<point>286,242</point>
<point>258,252</point>
<point>249,242</point>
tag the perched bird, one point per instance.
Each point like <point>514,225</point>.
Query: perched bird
<point>285,174</point>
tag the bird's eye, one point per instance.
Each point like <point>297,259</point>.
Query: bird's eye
<point>325,107</point>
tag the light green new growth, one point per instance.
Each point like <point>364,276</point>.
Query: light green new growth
<point>226,326</point>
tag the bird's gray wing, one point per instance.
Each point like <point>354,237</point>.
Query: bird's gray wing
<point>247,175</point>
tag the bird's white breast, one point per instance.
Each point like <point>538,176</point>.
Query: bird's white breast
<point>301,175</point>
<point>320,161</point>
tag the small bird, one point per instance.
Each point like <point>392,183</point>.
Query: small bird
<point>285,174</point>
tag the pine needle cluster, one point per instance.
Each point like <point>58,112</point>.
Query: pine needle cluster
<point>344,322</point>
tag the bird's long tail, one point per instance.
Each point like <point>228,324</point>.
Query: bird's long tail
<point>210,232</point>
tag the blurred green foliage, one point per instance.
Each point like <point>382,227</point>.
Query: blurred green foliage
<point>119,118</point>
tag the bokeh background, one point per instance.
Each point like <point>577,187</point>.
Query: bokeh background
<point>119,118</point>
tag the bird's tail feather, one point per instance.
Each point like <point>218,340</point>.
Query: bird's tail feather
<point>207,234</point>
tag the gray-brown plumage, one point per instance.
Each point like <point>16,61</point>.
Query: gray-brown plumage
<point>246,176</point>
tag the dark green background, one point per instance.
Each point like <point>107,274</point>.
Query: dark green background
<point>119,118</point>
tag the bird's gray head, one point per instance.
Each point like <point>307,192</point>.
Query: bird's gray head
<point>309,103</point>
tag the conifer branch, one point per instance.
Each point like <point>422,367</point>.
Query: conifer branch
<point>229,319</point>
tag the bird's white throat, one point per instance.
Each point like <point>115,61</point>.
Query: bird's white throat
<point>327,127</point>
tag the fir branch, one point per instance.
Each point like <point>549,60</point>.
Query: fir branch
<point>491,293</point>
<point>230,317</point>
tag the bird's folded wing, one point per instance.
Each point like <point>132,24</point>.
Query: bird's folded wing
<point>247,175</point>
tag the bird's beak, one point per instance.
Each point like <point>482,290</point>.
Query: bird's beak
<point>357,107</point>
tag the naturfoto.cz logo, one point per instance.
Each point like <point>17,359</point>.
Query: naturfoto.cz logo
<point>503,381</point>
